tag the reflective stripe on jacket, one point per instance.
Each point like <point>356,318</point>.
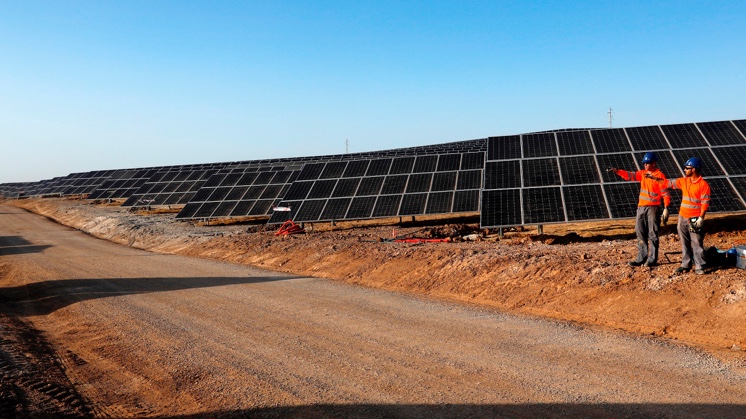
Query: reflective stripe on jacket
<point>695,196</point>
<point>651,191</point>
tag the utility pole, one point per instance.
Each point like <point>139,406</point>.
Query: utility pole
<point>610,116</point>
<point>347,146</point>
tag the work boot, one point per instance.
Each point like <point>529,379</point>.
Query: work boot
<point>649,264</point>
<point>699,271</point>
<point>681,270</point>
<point>634,263</point>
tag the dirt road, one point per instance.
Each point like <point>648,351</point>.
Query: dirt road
<point>141,334</point>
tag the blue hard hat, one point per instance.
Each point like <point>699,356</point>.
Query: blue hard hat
<point>694,162</point>
<point>649,157</point>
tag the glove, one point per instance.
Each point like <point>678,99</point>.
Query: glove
<point>699,223</point>
<point>611,169</point>
<point>664,216</point>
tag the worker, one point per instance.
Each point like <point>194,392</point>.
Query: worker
<point>649,214</point>
<point>695,201</point>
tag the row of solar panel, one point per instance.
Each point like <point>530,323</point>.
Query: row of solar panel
<point>394,166</point>
<point>618,140</point>
<point>544,205</point>
<point>381,206</point>
<point>124,183</point>
<point>578,170</point>
<point>343,178</point>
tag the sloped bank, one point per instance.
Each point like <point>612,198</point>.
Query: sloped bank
<point>585,281</point>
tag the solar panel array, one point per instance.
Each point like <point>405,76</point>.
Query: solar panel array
<point>385,187</point>
<point>15,189</point>
<point>241,192</point>
<point>174,187</point>
<point>122,184</point>
<point>562,176</point>
<point>255,197</point>
<point>79,183</point>
<point>537,178</point>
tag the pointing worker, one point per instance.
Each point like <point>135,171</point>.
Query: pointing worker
<point>648,208</point>
<point>695,201</point>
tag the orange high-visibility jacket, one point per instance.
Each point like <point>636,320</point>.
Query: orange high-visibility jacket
<point>695,196</point>
<point>650,190</point>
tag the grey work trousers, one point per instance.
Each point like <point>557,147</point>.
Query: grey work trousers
<point>692,246</point>
<point>646,229</point>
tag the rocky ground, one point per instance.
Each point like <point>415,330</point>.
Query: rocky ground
<point>576,273</point>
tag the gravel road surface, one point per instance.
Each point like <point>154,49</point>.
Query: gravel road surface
<point>142,334</point>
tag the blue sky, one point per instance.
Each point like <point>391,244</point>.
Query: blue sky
<point>88,85</point>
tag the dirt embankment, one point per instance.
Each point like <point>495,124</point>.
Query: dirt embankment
<point>574,272</point>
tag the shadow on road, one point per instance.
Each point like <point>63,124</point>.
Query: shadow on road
<point>17,245</point>
<point>45,297</point>
<point>553,410</point>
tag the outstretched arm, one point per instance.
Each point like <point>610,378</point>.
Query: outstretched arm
<point>621,173</point>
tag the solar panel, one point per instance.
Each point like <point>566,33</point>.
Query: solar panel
<point>471,161</point>
<point>449,162</point>
<point>733,160</point>
<point>574,142</point>
<point>502,174</point>
<point>387,206</point>
<point>419,182</point>
<point>469,179</point>
<point>504,148</point>
<point>622,198</point>
<point>360,207</point>
<point>724,197</point>
<point>394,184</point>
<point>333,170</point>
<point>444,181</point>
<point>345,187</point>
<point>620,161</point>
<point>425,164</point>
<point>439,203</point>
<point>311,209</point>
<point>610,140</point>
<point>543,205</point>
<point>539,145</point>
<point>466,201</point>
<point>540,172</point>
<point>721,133</point>
<point>356,168</point>
<point>378,167</point>
<point>336,208</point>
<point>578,170</point>
<point>402,165</point>
<point>503,207</point>
<point>741,126</point>
<point>223,209</point>
<point>684,135</point>
<point>647,138</point>
<point>322,189</point>
<point>740,184</point>
<point>370,186</point>
<point>585,202</point>
<point>298,190</point>
<point>311,171</point>
<point>413,204</point>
